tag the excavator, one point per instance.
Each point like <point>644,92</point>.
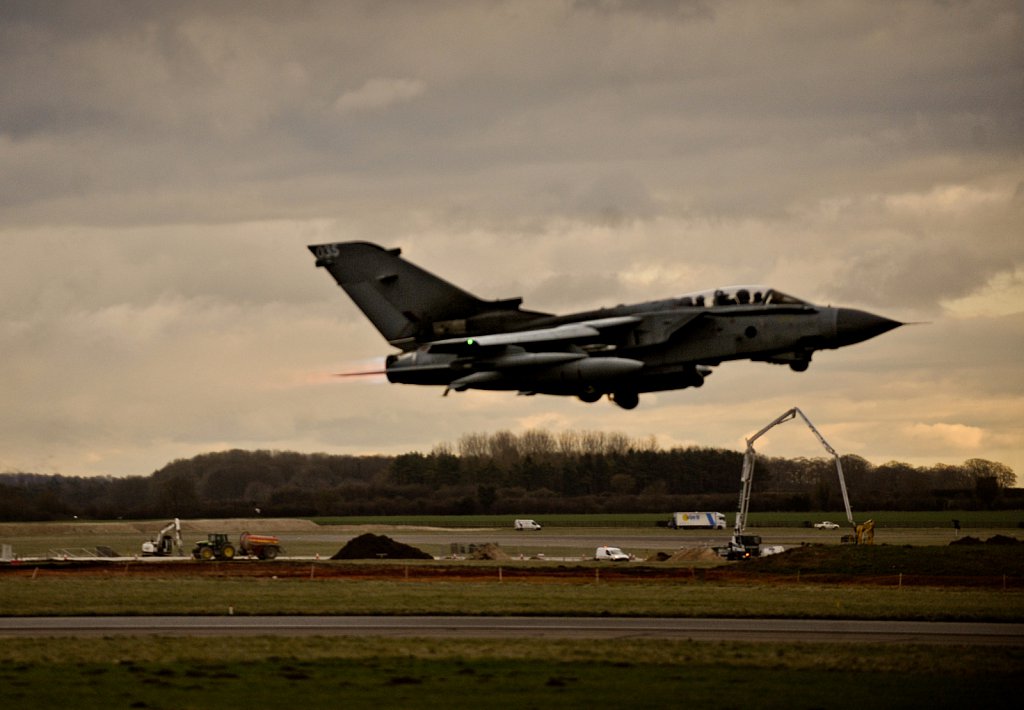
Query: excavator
<point>864,534</point>
<point>743,546</point>
<point>168,538</point>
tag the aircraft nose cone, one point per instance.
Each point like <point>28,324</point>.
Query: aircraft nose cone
<point>853,326</point>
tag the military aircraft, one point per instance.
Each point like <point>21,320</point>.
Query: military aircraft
<point>452,338</point>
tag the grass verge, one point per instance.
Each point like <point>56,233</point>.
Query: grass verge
<point>89,595</point>
<point>372,673</point>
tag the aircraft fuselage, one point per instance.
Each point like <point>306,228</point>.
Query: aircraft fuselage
<point>453,339</point>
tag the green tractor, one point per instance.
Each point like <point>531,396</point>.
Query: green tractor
<point>217,545</point>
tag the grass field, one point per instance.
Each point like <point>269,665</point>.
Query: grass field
<point>390,673</point>
<point>116,595</point>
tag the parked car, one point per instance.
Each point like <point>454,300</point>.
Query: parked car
<point>826,525</point>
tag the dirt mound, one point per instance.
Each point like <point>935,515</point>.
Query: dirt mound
<point>994,540</point>
<point>372,547</point>
<point>489,551</point>
<point>239,525</point>
<point>71,529</point>
<point>1002,540</point>
<point>968,540</point>
<point>879,560</point>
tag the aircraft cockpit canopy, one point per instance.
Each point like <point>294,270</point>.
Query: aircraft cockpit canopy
<point>740,296</point>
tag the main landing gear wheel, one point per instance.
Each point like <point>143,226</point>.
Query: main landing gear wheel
<point>626,400</point>
<point>589,395</point>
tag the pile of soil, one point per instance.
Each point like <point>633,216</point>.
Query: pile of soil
<point>489,551</point>
<point>879,560</point>
<point>994,540</point>
<point>373,547</point>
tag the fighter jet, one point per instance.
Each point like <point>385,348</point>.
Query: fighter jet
<point>451,338</point>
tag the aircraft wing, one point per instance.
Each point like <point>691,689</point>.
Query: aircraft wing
<point>552,355</point>
<point>584,332</point>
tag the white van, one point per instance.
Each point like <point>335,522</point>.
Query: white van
<point>526,525</point>
<point>612,554</point>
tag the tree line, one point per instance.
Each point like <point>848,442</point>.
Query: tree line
<point>534,472</point>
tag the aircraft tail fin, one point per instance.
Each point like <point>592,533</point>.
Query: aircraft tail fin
<point>407,304</point>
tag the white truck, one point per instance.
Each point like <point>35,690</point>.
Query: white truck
<point>611,554</point>
<point>526,525</point>
<point>710,521</point>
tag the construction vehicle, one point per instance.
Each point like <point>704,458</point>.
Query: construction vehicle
<point>743,546</point>
<point>218,546</point>
<point>265,547</point>
<point>167,539</point>
<point>215,546</point>
<point>864,534</point>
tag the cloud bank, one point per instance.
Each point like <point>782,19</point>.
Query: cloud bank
<point>166,164</point>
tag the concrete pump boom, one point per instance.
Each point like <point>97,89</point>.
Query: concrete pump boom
<point>747,476</point>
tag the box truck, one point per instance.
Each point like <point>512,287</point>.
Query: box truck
<point>711,521</point>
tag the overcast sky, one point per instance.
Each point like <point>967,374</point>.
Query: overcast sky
<point>166,163</point>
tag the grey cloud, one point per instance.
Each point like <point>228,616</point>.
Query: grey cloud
<point>167,163</point>
<point>379,93</point>
<point>681,96</point>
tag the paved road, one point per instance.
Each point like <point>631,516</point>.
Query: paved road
<point>579,542</point>
<point>776,630</point>
<point>582,540</point>
<point>582,537</point>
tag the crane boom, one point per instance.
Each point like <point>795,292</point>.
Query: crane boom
<point>747,476</point>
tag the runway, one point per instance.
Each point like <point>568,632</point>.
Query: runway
<point>773,630</point>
